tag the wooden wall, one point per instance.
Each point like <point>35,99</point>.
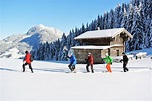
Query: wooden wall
<point>98,41</point>
<point>82,54</point>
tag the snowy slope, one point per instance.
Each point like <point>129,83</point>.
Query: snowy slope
<point>28,41</point>
<point>50,82</point>
<point>42,34</point>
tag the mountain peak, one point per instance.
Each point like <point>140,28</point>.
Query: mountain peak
<point>36,29</point>
<point>40,28</point>
<point>28,41</point>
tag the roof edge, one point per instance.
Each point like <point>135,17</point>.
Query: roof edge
<point>91,47</point>
<point>121,30</point>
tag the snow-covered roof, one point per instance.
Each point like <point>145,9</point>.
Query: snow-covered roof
<point>103,33</point>
<point>117,45</point>
<point>91,47</point>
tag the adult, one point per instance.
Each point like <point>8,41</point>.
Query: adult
<point>90,62</point>
<point>72,63</point>
<point>27,61</point>
<point>125,62</point>
<point>108,59</point>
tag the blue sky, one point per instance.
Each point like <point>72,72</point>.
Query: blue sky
<point>18,16</point>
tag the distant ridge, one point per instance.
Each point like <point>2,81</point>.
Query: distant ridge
<point>15,45</point>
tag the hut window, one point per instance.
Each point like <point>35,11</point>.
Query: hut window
<point>117,52</point>
<point>109,51</point>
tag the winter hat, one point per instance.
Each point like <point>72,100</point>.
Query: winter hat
<point>106,54</point>
<point>26,52</point>
<point>89,53</point>
<point>70,55</point>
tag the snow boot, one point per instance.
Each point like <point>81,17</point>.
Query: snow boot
<point>70,67</point>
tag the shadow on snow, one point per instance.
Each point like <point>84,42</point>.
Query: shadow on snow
<point>7,69</point>
<point>52,70</point>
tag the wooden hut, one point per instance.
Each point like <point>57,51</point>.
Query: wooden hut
<point>99,42</point>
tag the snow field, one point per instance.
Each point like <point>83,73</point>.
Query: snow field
<point>50,82</point>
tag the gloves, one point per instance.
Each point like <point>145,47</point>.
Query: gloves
<point>121,60</point>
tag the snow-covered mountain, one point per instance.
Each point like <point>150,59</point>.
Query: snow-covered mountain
<point>15,45</point>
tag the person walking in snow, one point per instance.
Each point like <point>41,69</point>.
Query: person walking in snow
<point>108,59</point>
<point>27,61</point>
<point>125,62</point>
<point>73,62</point>
<point>90,62</point>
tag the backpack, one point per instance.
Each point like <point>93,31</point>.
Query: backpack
<point>31,58</point>
<point>111,60</point>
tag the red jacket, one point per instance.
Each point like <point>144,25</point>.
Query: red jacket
<point>90,59</point>
<point>28,58</point>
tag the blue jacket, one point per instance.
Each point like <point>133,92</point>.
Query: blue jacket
<point>73,60</point>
